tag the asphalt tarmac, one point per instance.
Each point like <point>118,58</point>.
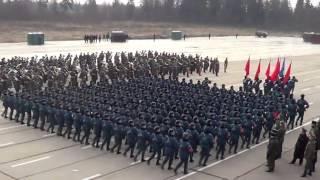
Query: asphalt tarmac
<point>27,153</point>
<point>236,49</point>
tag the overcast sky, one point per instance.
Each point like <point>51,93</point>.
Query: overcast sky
<point>315,2</point>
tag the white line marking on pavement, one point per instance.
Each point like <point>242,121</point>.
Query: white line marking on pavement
<point>75,170</point>
<point>92,177</point>
<point>234,155</point>
<point>30,162</point>
<point>6,144</point>
<point>11,127</point>
<point>306,89</point>
<point>86,147</point>
<point>136,162</point>
<point>49,135</point>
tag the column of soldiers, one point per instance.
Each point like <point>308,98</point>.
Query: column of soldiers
<point>21,73</point>
<point>141,110</point>
<point>96,38</point>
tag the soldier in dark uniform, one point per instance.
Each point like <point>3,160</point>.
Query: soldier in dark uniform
<point>28,106</point>
<point>51,118</point>
<point>42,115</point>
<point>87,126</point>
<point>142,142</point>
<point>234,138</point>
<point>69,122</point>
<point>132,136</point>
<point>257,128</point>
<point>247,132</point>
<point>225,65</point>
<point>273,149</point>
<point>222,139</point>
<point>18,107</point>
<point>77,124</point>
<point>206,144</point>
<point>35,113</point>
<point>185,150</point>
<point>118,136</point>
<point>303,105</point>
<point>193,139</point>
<point>300,147</point>
<point>107,133</point>
<point>170,148</point>
<point>59,116</point>
<point>157,142</point>
<point>97,130</point>
<point>292,111</point>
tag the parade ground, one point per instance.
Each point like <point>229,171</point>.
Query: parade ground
<point>29,154</point>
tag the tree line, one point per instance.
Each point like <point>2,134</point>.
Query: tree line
<point>261,13</point>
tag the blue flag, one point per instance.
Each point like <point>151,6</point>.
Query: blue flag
<point>281,74</point>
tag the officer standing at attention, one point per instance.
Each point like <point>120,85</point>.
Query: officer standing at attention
<point>273,149</point>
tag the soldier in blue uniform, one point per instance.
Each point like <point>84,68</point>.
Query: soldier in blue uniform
<point>42,115</point>
<point>69,122</point>
<point>132,136</point>
<point>97,129</point>
<point>18,107</point>
<point>77,116</point>
<point>51,118</point>
<point>185,150</point>
<point>234,137</point>
<point>206,144</point>
<point>28,106</point>
<point>257,128</point>
<point>247,132</point>
<point>171,146</point>
<point>87,126</point>
<point>118,136</point>
<point>22,109</point>
<point>221,141</point>
<point>193,139</point>
<point>157,142</point>
<point>108,132</point>
<point>142,142</point>
<point>292,111</point>
<point>35,113</point>
<point>60,119</point>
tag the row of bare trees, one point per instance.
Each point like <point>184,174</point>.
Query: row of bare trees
<point>274,13</point>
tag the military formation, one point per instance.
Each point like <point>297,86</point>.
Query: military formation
<point>96,38</point>
<point>136,104</point>
<point>25,74</point>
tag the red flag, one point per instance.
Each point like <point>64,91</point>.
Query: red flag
<point>275,74</point>
<point>286,77</point>
<point>256,77</point>
<point>268,71</point>
<point>247,67</point>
